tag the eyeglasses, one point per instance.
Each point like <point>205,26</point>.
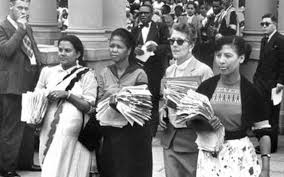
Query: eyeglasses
<point>179,41</point>
<point>145,13</point>
<point>265,24</point>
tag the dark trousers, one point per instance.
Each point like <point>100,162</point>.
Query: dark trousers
<point>273,111</point>
<point>274,122</point>
<point>11,131</point>
<point>26,154</point>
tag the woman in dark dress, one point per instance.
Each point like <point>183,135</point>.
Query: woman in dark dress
<point>126,151</point>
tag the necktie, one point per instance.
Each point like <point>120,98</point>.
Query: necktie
<point>28,47</point>
<point>265,40</point>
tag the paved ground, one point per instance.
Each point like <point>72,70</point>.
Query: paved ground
<point>277,162</point>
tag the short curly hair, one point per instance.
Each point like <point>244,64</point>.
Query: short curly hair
<point>188,29</point>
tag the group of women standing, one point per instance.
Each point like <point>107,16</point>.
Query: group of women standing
<point>127,152</point>
<point>74,90</point>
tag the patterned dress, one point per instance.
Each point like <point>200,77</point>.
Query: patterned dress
<point>237,157</point>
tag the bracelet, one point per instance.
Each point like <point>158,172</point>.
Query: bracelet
<point>266,155</point>
<point>68,96</point>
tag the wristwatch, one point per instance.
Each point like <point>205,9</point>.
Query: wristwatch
<point>266,155</point>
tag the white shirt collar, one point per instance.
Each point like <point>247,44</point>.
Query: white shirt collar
<point>270,36</point>
<point>184,64</point>
<point>14,24</point>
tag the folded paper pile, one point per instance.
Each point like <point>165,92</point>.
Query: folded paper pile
<point>34,105</point>
<point>133,103</point>
<point>185,104</point>
<point>174,89</point>
<point>192,105</point>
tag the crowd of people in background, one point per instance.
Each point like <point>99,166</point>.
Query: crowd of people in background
<point>211,19</point>
<point>196,38</point>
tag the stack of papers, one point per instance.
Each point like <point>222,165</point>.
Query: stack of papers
<point>210,141</point>
<point>174,89</point>
<point>34,105</point>
<point>194,104</point>
<point>133,102</point>
<point>107,116</point>
<point>186,104</point>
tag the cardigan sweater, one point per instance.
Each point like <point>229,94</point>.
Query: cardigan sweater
<point>253,106</point>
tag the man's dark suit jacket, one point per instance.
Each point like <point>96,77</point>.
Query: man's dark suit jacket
<point>270,69</point>
<point>156,65</point>
<point>17,75</point>
<point>269,72</point>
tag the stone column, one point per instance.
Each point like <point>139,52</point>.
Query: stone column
<point>236,4</point>
<point>253,33</point>
<point>86,22</point>
<point>281,16</point>
<point>281,30</point>
<point>111,21</point>
<point>4,8</point>
<point>43,18</point>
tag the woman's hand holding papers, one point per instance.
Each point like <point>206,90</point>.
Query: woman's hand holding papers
<point>163,117</point>
<point>199,123</point>
<point>215,123</point>
<point>113,102</point>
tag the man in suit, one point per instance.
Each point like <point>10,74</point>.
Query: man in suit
<point>19,68</point>
<point>155,66</point>
<point>270,71</point>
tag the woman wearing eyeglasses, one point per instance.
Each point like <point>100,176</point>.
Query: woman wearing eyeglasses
<point>180,150</point>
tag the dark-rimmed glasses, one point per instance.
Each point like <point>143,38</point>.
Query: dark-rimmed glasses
<point>179,41</point>
<point>265,24</point>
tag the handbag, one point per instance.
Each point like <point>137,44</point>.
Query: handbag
<point>90,134</point>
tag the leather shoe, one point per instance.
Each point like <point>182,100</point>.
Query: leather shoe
<point>35,168</point>
<point>11,174</point>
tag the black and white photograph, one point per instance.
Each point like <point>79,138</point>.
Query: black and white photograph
<point>141,88</point>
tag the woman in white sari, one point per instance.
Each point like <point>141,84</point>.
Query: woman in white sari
<point>72,91</point>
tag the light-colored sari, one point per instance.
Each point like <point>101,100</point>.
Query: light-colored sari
<point>60,153</point>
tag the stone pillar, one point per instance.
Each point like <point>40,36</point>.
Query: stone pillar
<point>281,30</point>
<point>86,22</point>
<point>281,16</point>
<point>253,33</point>
<point>236,4</point>
<point>111,21</point>
<point>4,8</point>
<point>43,18</point>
